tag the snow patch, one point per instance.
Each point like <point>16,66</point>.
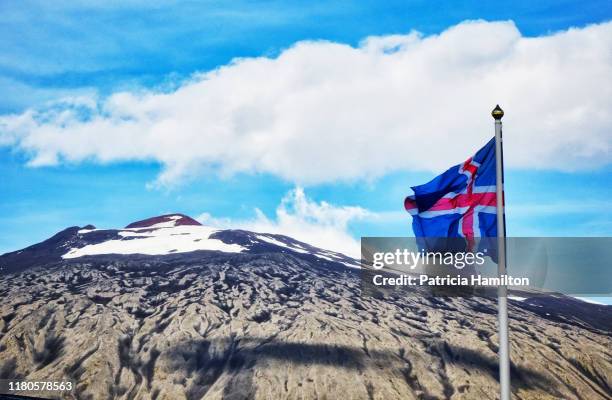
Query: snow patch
<point>292,247</point>
<point>170,223</point>
<point>159,241</point>
<point>356,265</point>
<point>272,241</point>
<point>323,254</point>
<point>591,300</point>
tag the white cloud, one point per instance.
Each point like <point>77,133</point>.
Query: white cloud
<point>320,224</point>
<point>324,111</point>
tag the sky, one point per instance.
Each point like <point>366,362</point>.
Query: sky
<point>311,119</point>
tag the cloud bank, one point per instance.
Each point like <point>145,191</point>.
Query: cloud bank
<point>324,111</point>
<point>320,224</point>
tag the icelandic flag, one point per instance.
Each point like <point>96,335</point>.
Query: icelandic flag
<point>460,203</point>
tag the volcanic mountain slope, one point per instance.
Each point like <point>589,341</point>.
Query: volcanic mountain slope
<point>267,317</point>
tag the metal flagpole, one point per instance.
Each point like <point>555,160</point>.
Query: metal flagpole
<point>502,298</point>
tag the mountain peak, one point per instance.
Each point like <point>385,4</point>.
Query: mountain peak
<point>164,221</point>
<point>173,235</point>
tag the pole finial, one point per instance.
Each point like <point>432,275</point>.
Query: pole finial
<point>497,113</point>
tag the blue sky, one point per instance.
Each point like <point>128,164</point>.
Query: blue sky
<point>55,50</point>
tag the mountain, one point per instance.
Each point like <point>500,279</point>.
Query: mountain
<point>166,308</point>
<point>162,235</point>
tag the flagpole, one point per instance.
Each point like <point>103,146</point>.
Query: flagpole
<point>502,291</point>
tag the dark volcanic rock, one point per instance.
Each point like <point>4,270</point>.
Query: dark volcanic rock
<point>275,326</point>
<point>50,250</point>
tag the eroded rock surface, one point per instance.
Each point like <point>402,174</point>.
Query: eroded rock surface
<point>274,326</point>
